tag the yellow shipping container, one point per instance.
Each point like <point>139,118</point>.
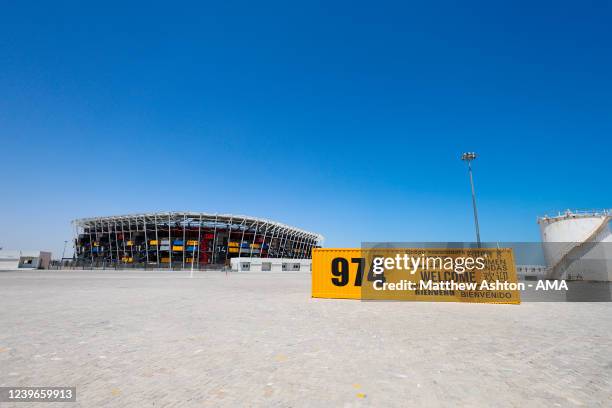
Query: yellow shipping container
<point>126,259</point>
<point>340,273</point>
<point>233,244</point>
<point>192,243</point>
<point>130,243</point>
<point>255,245</point>
<point>177,247</point>
<point>153,242</point>
<point>233,249</point>
<point>166,260</point>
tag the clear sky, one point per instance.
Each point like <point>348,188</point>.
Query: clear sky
<point>343,118</point>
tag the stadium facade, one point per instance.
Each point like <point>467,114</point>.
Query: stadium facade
<point>183,239</point>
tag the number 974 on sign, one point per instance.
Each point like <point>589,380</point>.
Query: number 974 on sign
<point>339,273</point>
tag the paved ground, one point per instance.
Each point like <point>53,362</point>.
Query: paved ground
<point>162,339</point>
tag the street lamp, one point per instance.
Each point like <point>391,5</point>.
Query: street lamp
<point>63,253</point>
<point>468,157</point>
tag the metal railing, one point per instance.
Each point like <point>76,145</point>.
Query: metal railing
<point>81,264</point>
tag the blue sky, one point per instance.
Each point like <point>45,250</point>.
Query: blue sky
<point>344,118</point>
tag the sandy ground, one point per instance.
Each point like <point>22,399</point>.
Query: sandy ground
<point>257,339</point>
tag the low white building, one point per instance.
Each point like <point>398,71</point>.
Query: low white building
<point>245,264</point>
<point>531,272</point>
<point>10,260</point>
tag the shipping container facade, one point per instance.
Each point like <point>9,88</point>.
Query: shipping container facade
<point>180,239</point>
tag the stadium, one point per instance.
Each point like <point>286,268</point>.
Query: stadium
<point>186,239</point>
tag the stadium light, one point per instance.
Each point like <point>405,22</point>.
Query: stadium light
<point>468,157</point>
<point>63,253</point>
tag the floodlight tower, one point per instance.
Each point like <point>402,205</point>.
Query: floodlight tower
<point>63,253</point>
<point>468,157</point>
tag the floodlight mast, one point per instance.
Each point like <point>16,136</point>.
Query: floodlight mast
<point>468,157</point>
<point>63,253</point>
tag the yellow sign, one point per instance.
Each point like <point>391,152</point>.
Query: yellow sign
<point>485,275</point>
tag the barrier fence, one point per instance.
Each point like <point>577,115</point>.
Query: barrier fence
<point>81,264</point>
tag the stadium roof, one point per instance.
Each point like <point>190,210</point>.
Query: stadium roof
<point>207,219</point>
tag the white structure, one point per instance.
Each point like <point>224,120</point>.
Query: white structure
<point>244,264</point>
<point>10,260</point>
<point>531,272</point>
<point>578,245</point>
